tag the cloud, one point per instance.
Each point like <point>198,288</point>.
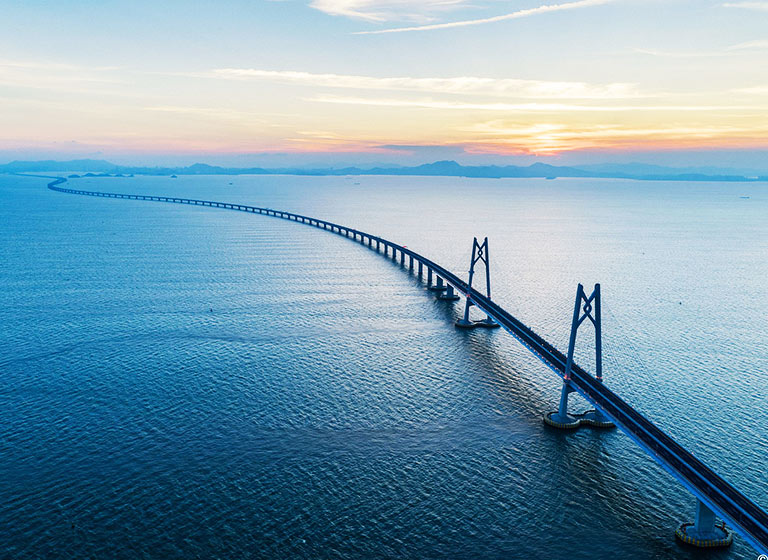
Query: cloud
<point>544,9</point>
<point>387,10</point>
<point>680,54</point>
<point>506,87</point>
<point>526,107</point>
<point>759,6</point>
<point>750,45</point>
<point>732,50</point>
<point>756,90</point>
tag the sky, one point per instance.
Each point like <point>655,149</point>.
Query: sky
<point>675,82</point>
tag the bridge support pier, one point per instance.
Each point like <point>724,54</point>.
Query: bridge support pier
<point>448,295</point>
<point>704,532</point>
<point>438,287</point>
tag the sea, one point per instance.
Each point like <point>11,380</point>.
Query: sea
<point>197,383</point>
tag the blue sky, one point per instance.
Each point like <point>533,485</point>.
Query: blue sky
<point>677,81</point>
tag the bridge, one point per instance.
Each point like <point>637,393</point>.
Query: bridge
<point>715,496</point>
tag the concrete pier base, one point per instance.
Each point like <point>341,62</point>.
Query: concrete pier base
<point>448,295</point>
<point>484,324</point>
<point>721,537</point>
<point>439,286</point>
<point>596,419</point>
<point>560,418</point>
<point>561,421</point>
<point>592,418</point>
<point>704,532</point>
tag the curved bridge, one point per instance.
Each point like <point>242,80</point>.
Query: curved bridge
<point>715,495</point>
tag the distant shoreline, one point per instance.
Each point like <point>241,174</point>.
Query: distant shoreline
<point>637,172</point>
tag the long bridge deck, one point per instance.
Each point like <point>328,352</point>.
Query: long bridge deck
<point>749,520</point>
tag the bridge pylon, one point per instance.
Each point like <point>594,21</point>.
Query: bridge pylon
<point>585,307</point>
<point>479,253</point>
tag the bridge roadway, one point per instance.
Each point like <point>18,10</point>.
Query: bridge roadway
<point>749,520</point>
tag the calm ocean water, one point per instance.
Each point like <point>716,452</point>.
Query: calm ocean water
<point>182,382</point>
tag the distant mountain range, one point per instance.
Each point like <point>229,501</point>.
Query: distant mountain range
<point>91,167</point>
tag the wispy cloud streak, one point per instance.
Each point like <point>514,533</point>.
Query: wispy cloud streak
<point>759,6</point>
<point>527,107</point>
<point>755,90</point>
<point>386,10</point>
<point>681,54</point>
<point>544,9</point>
<point>758,44</point>
<point>507,87</point>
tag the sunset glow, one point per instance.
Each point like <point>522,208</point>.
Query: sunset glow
<point>362,75</point>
